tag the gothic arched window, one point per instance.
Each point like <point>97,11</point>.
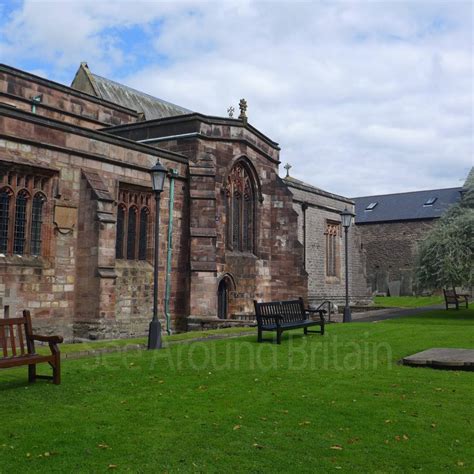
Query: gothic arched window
<point>133,220</point>
<point>240,208</point>
<point>24,211</point>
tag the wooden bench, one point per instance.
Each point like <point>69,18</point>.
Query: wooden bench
<point>17,347</point>
<point>281,316</point>
<point>453,298</point>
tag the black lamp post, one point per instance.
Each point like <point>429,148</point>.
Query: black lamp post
<point>158,174</point>
<point>346,218</point>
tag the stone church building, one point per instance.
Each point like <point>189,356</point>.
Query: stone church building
<point>77,213</point>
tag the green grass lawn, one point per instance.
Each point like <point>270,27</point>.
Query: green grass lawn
<point>312,404</point>
<point>407,301</point>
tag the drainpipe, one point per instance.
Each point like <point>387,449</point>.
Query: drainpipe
<point>173,174</point>
<point>304,207</point>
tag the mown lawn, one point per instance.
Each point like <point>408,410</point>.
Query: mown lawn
<point>407,301</point>
<point>313,404</point>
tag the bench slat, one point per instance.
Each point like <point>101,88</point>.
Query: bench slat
<point>19,330</point>
<point>12,339</point>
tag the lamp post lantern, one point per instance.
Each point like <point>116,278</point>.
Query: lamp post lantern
<point>346,218</point>
<point>158,174</point>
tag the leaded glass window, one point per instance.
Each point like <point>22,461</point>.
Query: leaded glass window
<point>143,237</point>
<point>20,223</point>
<point>133,220</point>
<point>23,209</point>
<point>120,229</point>
<point>240,207</point>
<point>131,233</point>
<point>332,249</point>
<point>36,223</point>
<point>4,219</point>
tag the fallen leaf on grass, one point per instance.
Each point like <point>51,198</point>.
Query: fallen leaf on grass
<point>460,463</point>
<point>388,421</point>
<point>258,446</point>
<point>433,425</point>
<point>304,423</point>
<point>236,427</point>
<point>353,440</point>
<point>103,446</point>
<point>337,447</point>
<point>112,466</point>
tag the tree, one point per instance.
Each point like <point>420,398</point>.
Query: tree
<point>445,256</point>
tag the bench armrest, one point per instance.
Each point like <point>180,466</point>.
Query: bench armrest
<point>49,339</point>
<point>321,312</point>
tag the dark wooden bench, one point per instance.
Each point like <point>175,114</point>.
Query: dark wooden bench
<point>17,347</point>
<point>453,298</point>
<point>281,316</point>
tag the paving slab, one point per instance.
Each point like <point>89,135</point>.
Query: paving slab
<point>442,358</point>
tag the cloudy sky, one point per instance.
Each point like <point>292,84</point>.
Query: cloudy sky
<point>364,96</point>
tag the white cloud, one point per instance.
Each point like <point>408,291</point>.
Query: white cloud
<point>364,97</point>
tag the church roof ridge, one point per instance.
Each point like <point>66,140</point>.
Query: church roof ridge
<point>298,184</point>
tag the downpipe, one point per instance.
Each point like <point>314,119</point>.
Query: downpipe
<point>172,174</point>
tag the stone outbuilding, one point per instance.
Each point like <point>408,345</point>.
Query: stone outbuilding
<point>390,227</point>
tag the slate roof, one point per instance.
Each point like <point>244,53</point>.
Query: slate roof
<point>405,206</point>
<point>152,107</point>
<point>106,89</point>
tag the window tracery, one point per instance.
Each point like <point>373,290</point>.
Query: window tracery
<point>240,208</point>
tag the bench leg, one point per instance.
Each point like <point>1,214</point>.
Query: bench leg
<point>279,337</point>
<point>322,329</point>
<point>57,371</point>
<point>32,373</point>
<point>259,337</point>
<point>305,331</point>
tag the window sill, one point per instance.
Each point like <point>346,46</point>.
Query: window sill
<point>22,261</point>
<point>238,253</point>
<point>123,262</point>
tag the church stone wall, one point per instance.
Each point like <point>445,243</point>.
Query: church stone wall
<point>314,211</point>
<point>77,288</point>
<point>276,270</point>
<point>58,102</point>
<point>391,249</point>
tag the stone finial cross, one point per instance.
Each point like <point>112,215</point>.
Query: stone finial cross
<point>243,109</point>
<point>287,167</point>
<point>231,111</point>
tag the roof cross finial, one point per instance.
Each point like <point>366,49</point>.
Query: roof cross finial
<point>287,167</point>
<point>231,111</point>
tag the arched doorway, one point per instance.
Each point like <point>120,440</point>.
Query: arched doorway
<point>222,299</point>
<point>226,285</point>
